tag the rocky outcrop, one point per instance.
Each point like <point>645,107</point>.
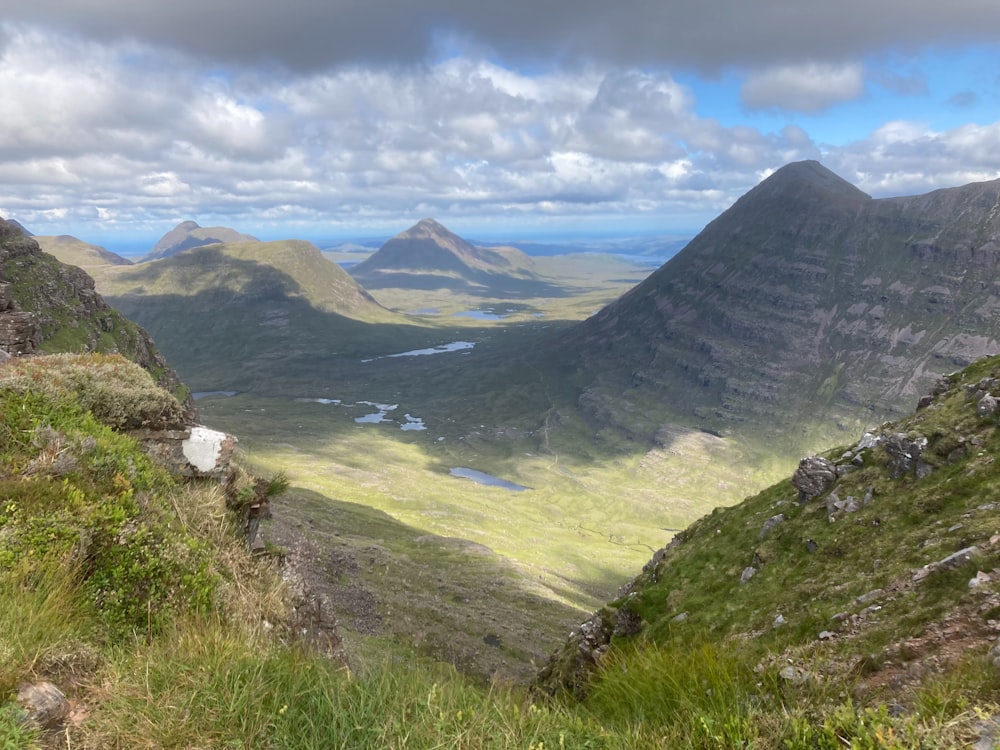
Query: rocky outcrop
<point>814,476</point>
<point>195,451</point>
<point>44,705</point>
<point>50,307</point>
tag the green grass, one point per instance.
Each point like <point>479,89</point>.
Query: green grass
<point>231,672</point>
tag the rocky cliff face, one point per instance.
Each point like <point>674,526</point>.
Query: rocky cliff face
<point>51,307</point>
<point>807,302</point>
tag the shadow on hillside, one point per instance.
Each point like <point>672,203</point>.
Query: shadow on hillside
<point>262,335</point>
<point>446,597</point>
<point>514,381</point>
<point>480,285</point>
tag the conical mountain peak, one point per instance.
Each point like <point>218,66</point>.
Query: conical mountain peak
<point>806,179</point>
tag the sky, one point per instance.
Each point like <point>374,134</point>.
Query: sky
<point>352,118</point>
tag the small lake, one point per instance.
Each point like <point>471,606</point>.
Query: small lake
<point>481,315</point>
<point>480,477</point>
<point>454,346</point>
<point>198,395</point>
<point>379,416</point>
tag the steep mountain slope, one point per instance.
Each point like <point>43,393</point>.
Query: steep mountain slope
<point>806,303</point>
<point>429,256</point>
<point>75,252</point>
<point>228,309</point>
<point>189,234</point>
<point>65,313</point>
<point>872,571</point>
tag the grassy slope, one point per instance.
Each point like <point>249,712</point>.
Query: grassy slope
<point>889,633</point>
<point>211,676</point>
<point>75,252</point>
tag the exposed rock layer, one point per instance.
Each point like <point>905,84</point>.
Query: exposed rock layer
<point>806,302</point>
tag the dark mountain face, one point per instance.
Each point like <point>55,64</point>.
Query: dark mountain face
<point>807,302</point>
<point>189,234</point>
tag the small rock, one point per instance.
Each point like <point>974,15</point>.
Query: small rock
<point>748,573</point>
<point>681,617</point>
<point>826,635</point>
<point>770,524</point>
<point>778,621</point>
<point>956,527</point>
<point>868,440</point>
<point>987,730</point>
<point>44,703</point>
<point>870,596</point>
<point>811,546</point>
<point>840,616</point>
<point>794,675</point>
<point>979,579</point>
<point>987,406</point>
<point>870,610</point>
<point>813,477</point>
<point>953,560</point>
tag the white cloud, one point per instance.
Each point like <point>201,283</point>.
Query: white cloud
<point>131,134</point>
<point>810,87</point>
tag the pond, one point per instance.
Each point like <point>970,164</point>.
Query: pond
<point>379,416</point>
<point>454,346</point>
<point>480,477</point>
<point>481,315</point>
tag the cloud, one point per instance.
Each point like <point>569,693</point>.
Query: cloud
<point>118,138</point>
<point>812,87</point>
<point>907,158</point>
<point>131,135</point>
<point>317,34</point>
<point>963,100</point>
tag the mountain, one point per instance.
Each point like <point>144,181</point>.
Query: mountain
<point>50,307</point>
<point>223,311</point>
<point>76,252</point>
<point>189,234</point>
<point>807,303</point>
<point>429,256</point>
<point>870,573</point>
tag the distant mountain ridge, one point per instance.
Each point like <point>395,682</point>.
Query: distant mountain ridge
<point>189,234</point>
<point>805,303</point>
<point>75,252</point>
<point>236,305</point>
<point>428,255</point>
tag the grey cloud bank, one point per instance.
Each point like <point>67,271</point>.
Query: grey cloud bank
<point>279,119</point>
<point>312,34</point>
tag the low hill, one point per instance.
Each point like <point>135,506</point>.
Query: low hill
<point>226,309</point>
<point>189,234</point>
<point>75,252</point>
<point>806,308</point>
<point>869,578</point>
<point>429,256</point>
